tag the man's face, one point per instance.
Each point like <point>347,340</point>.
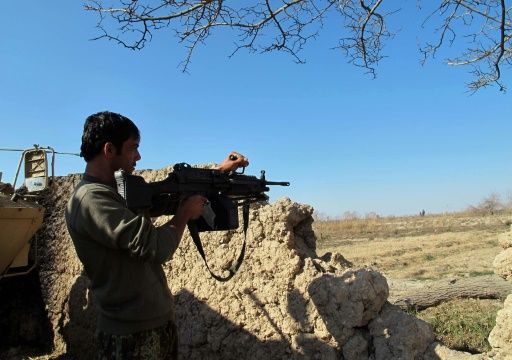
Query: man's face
<point>129,156</point>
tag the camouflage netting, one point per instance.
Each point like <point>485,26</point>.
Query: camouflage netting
<point>284,303</point>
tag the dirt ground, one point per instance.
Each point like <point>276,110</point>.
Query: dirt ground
<point>417,248</point>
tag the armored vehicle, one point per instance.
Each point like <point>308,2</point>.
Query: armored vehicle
<point>20,213</point>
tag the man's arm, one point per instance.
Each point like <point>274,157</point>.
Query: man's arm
<point>103,217</point>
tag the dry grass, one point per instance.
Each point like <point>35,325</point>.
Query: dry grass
<point>429,247</point>
<point>463,324</point>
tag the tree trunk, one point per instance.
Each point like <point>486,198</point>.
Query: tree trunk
<point>420,295</point>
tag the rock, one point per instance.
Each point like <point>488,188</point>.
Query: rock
<point>437,351</point>
<point>505,240</point>
<point>500,337</point>
<point>398,336</point>
<point>503,264</point>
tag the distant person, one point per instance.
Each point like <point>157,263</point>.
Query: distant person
<point>422,213</point>
<point>123,252</point>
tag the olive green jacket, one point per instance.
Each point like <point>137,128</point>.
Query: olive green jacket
<point>122,255</point>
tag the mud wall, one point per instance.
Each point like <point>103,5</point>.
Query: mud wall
<point>500,337</point>
<point>284,303</point>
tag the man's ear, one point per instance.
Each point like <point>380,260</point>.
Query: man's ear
<point>109,150</point>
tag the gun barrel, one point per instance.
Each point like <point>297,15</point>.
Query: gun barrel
<point>279,183</point>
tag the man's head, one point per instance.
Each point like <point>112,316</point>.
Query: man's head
<point>111,135</point>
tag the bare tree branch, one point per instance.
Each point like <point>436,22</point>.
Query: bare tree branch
<point>288,24</point>
<point>368,31</point>
<point>483,26</point>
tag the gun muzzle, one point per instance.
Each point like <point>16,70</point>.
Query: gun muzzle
<point>279,183</point>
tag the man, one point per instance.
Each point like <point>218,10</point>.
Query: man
<point>122,252</point>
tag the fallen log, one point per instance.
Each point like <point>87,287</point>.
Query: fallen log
<point>419,295</point>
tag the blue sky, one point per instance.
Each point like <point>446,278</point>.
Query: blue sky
<point>411,139</point>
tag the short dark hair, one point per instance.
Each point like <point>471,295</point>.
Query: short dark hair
<point>104,127</point>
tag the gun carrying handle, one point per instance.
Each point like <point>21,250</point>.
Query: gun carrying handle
<point>233,157</point>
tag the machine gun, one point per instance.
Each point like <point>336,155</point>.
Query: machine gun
<point>225,192</point>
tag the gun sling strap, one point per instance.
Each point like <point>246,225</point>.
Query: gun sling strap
<point>192,227</point>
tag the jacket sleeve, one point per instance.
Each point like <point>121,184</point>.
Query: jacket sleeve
<point>107,220</point>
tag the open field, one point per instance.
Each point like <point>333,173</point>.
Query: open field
<point>417,250</point>
<point>415,247</point>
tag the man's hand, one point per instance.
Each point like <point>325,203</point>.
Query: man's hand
<point>192,207</point>
<point>233,161</point>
